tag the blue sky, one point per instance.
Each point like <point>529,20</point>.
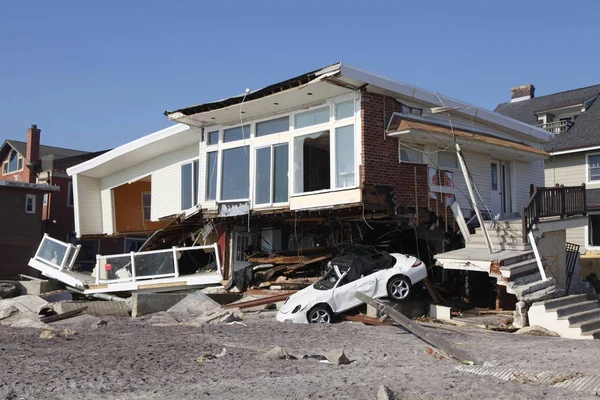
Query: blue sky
<point>95,75</point>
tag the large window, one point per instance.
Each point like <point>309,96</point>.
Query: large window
<point>273,126</point>
<point>593,162</point>
<point>312,161</point>
<point>211,175</point>
<point>14,163</point>
<point>412,153</point>
<point>189,185</point>
<point>344,156</point>
<point>447,159</point>
<point>238,133</point>
<point>312,117</point>
<point>271,183</point>
<point>235,174</point>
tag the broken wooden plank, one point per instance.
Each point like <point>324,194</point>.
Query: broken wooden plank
<point>64,315</point>
<point>258,302</point>
<point>293,268</point>
<point>446,347</point>
<point>365,320</point>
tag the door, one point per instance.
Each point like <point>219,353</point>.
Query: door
<point>496,192</point>
<point>241,241</point>
<point>344,295</point>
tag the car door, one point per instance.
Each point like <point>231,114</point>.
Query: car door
<point>344,294</point>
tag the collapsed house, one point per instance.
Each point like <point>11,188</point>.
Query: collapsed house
<point>284,177</point>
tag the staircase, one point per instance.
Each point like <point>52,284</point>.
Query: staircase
<point>576,316</point>
<point>506,235</point>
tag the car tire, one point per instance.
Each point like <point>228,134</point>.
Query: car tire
<point>399,288</point>
<point>319,315</point>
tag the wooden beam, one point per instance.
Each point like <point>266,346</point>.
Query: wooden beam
<point>259,302</point>
<point>446,347</point>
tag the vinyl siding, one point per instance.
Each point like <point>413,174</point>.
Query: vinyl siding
<point>166,181</point>
<point>108,225</point>
<point>527,173</point>
<point>577,236</point>
<point>88,206</point>
<point>567,169</point>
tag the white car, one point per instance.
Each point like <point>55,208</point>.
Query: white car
<point>376,275</point>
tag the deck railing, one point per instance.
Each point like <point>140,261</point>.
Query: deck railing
<point>559,201</point>
<point>557,126</point>
<point>155,264</point>
<point>57,254</point>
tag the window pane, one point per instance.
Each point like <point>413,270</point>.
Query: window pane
<point>281,166</point>
<point>186,186</point>
<point>344,154</point>
<point>312,162</point>
<point>312,117</point>
<point>494,176</point>
<point>195,180</point>
<point>235,173</point>
<point>263,176</point>
<point>146,205</point>
<point>20,164</point>
<point>13,161</point>
<point>213,137</point>
<point>447,159</point>
<point>594,174</point>
<point>239,133</point>
<point>211,175</point>
<point>273,126</point>
<point>344,110</point>
<point>412,153</point>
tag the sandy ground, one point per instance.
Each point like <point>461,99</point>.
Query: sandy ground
<point>131,359</point>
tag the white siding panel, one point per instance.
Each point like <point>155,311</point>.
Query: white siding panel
<point>108,225</point>
<point>577,236</point>
<point>88,206</point>
<point>166,182</point>
<point>527,173</point>
<point>479,167</point>
<point>567,169</point>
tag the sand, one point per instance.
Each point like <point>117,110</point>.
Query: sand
<point>131,359</point>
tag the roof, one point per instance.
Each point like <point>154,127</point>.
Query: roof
<point>342,76</point>
<point>583,133</point>
<point>21,147</point>
<point>28,186</point>
<point>137,151</point>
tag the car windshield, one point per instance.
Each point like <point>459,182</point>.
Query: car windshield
<point>328,281</point>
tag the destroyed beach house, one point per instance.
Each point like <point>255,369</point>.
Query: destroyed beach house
<point>299,169</point>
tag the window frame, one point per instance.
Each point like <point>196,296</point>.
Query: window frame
<point>272,202</point>
<point>6,164</point>
<point>144,219</point>
<point>33,198</point>
<point>587,169</point>
<point>408,146</point>
<point>445,167</point>
<point>195,182</point>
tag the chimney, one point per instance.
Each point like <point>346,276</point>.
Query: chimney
<point>33,144</point>
<point>523,92</point>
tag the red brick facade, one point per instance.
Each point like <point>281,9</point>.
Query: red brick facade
<point>380,160</point>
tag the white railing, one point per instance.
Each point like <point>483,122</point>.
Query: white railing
<point>557,126</point>
<point>57,254</point>
<point>154,264</point>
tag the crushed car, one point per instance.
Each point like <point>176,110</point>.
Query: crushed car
<point>376,274</point>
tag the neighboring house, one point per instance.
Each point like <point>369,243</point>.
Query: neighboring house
<point>304,162</point>
<point>20,225</point>
<point>574,117</point>
<point>31,162</point>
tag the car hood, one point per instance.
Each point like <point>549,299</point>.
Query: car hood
<point>305,297</point>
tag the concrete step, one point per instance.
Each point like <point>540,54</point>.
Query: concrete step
<point>595,333</point>
<point>496,247</point>
<point>521,290</point>
<point>564,301</point>
<point>519,269</point>
<point>574,308</point>
<point>550,292</point>
<point>582,316</point>
<point>587,326</point>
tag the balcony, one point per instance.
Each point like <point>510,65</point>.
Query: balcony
<point>556,127</point>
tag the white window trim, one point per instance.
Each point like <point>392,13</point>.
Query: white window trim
<point>587,169</point>
<point>33,201</point>
<point>272,178</point>
<point>19,159</point>
<point>288,137</point>
<point>182,163</point>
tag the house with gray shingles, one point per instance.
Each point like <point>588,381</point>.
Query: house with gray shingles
<point>574,117</point>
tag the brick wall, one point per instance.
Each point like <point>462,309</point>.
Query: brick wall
<point>58,210</point>
<point>380,161</point>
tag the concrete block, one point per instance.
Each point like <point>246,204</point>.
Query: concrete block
<point>194,304</point>
<point>37,287</point>
<point>520,319</point>
<point>149,303</point>
<point>98,308</point>
<point>440,312</point>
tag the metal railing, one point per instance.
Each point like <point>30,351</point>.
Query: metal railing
<point>572,258</point>
<point>559,201</point>
<point>132,267</point>
<point>57,254</point>
<point>557,126</point>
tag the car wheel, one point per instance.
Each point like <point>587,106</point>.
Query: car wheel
<point>319,315</point>
<point>398,288</point>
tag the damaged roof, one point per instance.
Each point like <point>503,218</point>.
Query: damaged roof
<point>328,82</point>
<point>21,147</point>
<point>584,132</point>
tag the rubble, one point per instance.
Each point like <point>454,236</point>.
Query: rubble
<point>337,357</point>
<point>536,330</point>
<point>520,318</point>
<point>384,393</point>
<point>196,303</point>
<point>8,290</point>
<point>277,353</point>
